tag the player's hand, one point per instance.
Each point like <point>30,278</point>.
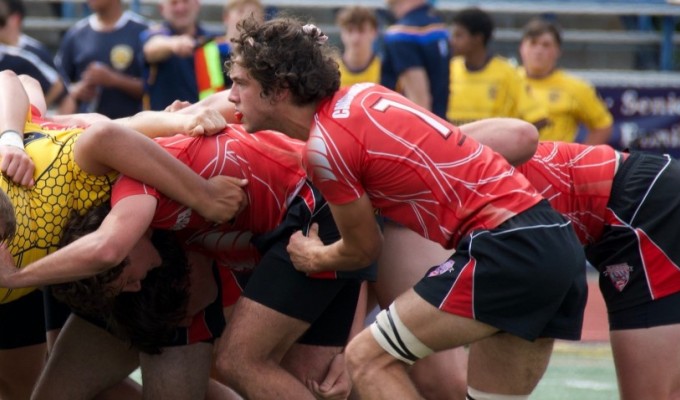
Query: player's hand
<point>303,248</point>
<point>224,199</point>
<point>17,165</point>
<point>205,122</point>
<point>337,384</point>
<point>98,74</point>
<point>182,45</point>
<point>7,267</point>
<point>177,105</point>
<point>83,91</point>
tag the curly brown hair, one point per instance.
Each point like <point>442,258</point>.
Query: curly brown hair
<point>282,54</point>
<point>147,319</point>
<point>91,296</point>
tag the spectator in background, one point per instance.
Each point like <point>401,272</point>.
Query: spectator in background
<point>101,56</point>
<point>570,100</point>
<point>234,11</point>
<point>169,52</point>
<point>358,31</point>
<point>38,62</point>
<point>416,55</point>
<point>483,85</point>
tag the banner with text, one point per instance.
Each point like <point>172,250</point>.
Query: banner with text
<point>645,118</point>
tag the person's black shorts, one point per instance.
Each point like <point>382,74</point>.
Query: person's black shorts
<point>22,321</point>
<point>327,301</point>
<point>525,277</point>
<point>638,254</point>
<point>663,311</point>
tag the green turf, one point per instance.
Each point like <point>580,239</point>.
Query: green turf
<point>579,371</point>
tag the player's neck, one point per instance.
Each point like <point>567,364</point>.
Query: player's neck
<point>540,73</point>
<point>109,17</point>
<point>357,58</point>
<point>297,121</point>
<point>476,60</point>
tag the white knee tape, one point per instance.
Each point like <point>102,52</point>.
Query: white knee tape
<point>395,338</point>
<point>474,394</point>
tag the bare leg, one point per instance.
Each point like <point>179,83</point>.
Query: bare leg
<point>19,370</point>
<point>368,363</point>
<point>88,358</point>
<point>308,362</point>
<point>251,349</point>
<point>179,372</point>
<point>654,350</point>
<point>405,259</point>
<point>507,364</point>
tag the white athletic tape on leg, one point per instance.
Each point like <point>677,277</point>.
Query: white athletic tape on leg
<point>479,395</point>
<point>395,338</point>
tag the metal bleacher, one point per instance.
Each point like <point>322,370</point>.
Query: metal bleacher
<point>592,28</point>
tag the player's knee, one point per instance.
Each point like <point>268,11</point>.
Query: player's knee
<point>360,356</point>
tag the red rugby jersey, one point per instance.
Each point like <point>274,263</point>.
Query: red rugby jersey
<point>416,168</point>
<point>577,180</point>
<point>271,163</point>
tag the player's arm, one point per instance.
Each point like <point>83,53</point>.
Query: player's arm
<point>197,121</point>
<point>14,106</point>
<point>107,146</point>
<point>416,86</point>
<point>160,47</point>
<point>359,246</point>
<point>218,101</point>
<point>89,255</point>
<point>514,139</point>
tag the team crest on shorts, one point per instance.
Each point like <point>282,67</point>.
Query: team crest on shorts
<point>619,274</point>
<point>442,269</point>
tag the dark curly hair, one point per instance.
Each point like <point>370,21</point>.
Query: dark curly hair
<point>91,296</point>
<point>146,319</point>
<point>283,54</point>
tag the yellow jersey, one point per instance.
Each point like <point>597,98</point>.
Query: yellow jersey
<point>496,90</point>
<point>371,73</point>
<point>61,187</point>
<point>570,102</point>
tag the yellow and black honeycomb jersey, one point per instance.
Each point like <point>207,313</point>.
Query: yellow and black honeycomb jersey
<point>60,187</point>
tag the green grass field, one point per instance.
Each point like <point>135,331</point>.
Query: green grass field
<point>579,371</point>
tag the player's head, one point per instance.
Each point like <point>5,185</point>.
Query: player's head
<point>237,10</point>
<point>471,27</point>
<point>540,46</point>
<point>284,55</point>
<point>12,13</point>
<point>145,317</point>
<point>8,221</point>
<point>148,319</point>
<point>95,294</point>
<point>182,15</point>
<point>358,26</point>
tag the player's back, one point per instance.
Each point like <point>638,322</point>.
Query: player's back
<point>269,160</point>
<point>577,180</point>
<point>416,168</point>
<point>61,188</point>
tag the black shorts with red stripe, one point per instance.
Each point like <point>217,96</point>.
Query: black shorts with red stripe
<point>638,257</point>
<point>327,301</point>
<point>525,277</point>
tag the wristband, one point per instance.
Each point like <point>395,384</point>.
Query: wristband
<point>11,137</point>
